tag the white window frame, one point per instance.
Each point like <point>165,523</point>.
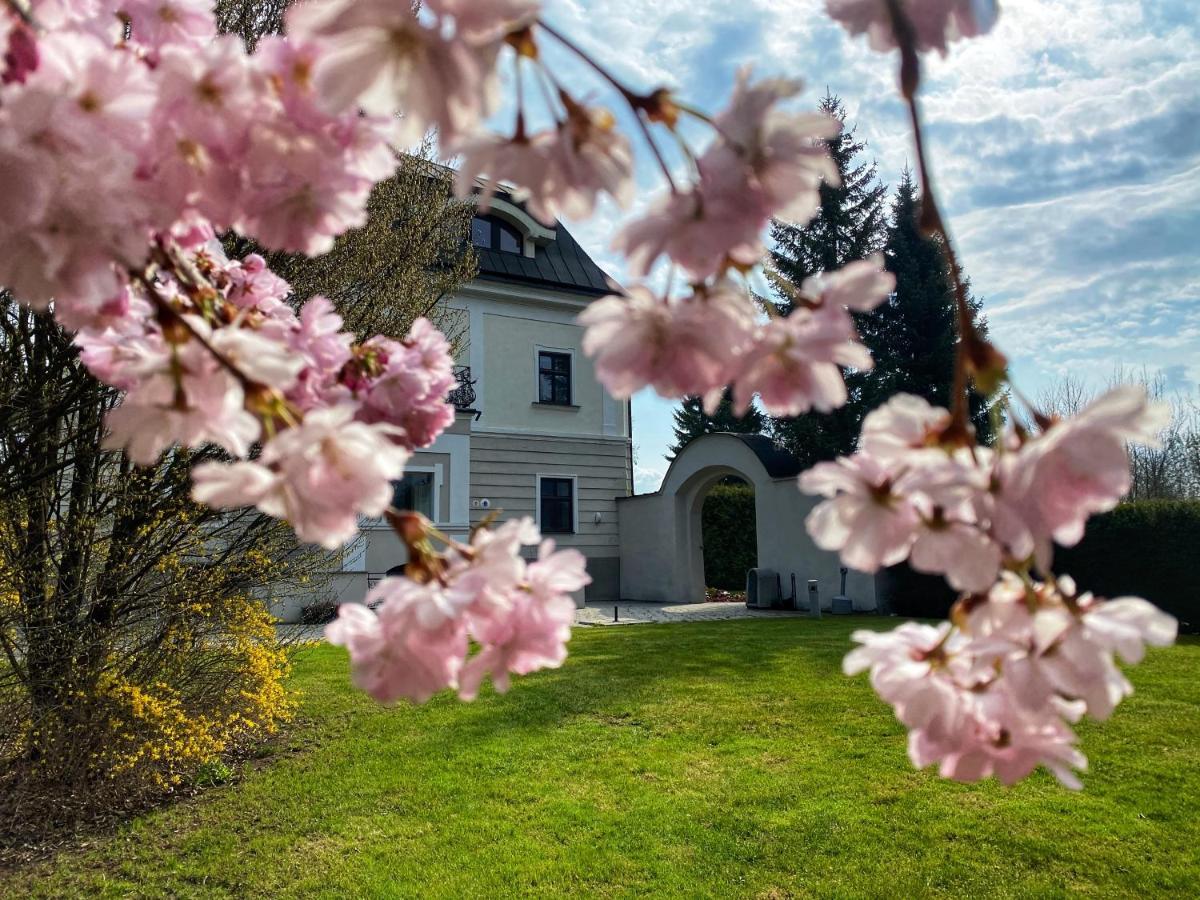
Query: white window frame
<point>538,350</point>
<point>537,499</point>
<point>436,470</point>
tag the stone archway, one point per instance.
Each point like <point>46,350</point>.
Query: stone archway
<point>662,558</point>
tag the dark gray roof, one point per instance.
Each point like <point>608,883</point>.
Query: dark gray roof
<point>777,461</point>
<point>560,264</point>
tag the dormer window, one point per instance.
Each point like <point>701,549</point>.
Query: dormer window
<point>489,233</point>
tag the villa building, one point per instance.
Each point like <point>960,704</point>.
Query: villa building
<point>535,434</point>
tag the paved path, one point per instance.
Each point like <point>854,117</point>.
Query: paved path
<point>632,613</point>
<point>628,613</point>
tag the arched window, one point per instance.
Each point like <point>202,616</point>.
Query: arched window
<point>489,233</point>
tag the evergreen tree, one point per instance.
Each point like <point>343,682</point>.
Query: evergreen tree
<point>912,335</point>
<point>850,224</point>
<point>691,421</point>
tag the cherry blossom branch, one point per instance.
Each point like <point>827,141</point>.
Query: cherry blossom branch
<point>931,221</point>
<point>648,105</point>
<point>22,12</point>
<point>172,315</point>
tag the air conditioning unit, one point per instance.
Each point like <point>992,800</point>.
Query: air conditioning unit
<point>762,588</point>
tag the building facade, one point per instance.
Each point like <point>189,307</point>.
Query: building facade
<point>535,434</point>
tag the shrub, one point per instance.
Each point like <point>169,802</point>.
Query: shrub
<point>913,595</point>
<point>319,612</point>
<point>206,681</point>
<point>730,536</point>
<point>1149,549</point>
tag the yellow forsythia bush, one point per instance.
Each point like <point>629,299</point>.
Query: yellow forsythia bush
<point>216,680</point>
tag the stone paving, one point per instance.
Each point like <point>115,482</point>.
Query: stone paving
<point>632,613</point>
<point>628,613</point>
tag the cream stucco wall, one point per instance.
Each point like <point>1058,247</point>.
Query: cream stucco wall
<point>661,534</point>
<point>506,327</point>
<point>498,456</point>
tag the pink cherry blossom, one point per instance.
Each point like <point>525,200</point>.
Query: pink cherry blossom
<point>1126,624</point>
<point>997,736</point>
<point>867,518</point>
<point>155,23</point>
<point>860,286</point>
<point>996,697</point>
<point>700,235</point>
<point>935,23</point>
<point>259,358</point>
<point>319,336</point>
<point>411,647</point>
<point>978,507</point>
<point>794,365</point>
<point>519,613</point>
<point>208,94</point>
<point>556,173</point>
<point>908,671</point>
<point>254,286</point>
<point>483,21</point>
<point>328,470</point>
<point>532,631</point>
<point>186,398</point>
<point>677,345</point>
<point>959,550</point>
<point>301,194</point>
<point>764,163</point>
<point>377,54</point>
<point>957,717</point>
<point>1080,466</point>
<point>774,159</point>
<point>904,424</point>
<point>411,392</point>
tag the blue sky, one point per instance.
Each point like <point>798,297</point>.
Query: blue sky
<point>1066,145</point>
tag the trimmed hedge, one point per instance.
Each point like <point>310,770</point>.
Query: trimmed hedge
<point>913,595</point>
<point>730,536</point>
<point>1150,548</point>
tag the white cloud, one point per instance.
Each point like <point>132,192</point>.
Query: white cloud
<point>1066,146</point>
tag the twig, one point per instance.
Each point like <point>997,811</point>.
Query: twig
<point>637,102</point>
<point>931,221</point>
<point>164,305</point>
<point>23,13</point>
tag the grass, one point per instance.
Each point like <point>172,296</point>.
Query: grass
<point>729,759</point>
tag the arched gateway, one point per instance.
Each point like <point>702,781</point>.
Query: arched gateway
<point>662,558</point>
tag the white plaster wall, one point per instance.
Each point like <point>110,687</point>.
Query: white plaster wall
<point>507,324</point>
<point>660,534</point>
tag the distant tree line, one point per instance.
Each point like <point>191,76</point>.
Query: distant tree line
<point>911,336</point>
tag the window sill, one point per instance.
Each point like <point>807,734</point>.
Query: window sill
<point>566,407</point>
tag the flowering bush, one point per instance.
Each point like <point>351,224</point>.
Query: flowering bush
<point>130,134</point>
<point>210,683</point>
<point>160,733</point>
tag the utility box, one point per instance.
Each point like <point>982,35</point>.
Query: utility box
<point>762,589</point>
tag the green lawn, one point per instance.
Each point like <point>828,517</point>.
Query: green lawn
<point>728,759</point>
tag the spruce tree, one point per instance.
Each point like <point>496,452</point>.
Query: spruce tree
<point>850,224</point>
<point>912,335</point>
<point>691,421</point>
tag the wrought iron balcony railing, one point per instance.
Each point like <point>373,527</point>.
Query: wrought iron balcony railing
<point>463,396</point>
